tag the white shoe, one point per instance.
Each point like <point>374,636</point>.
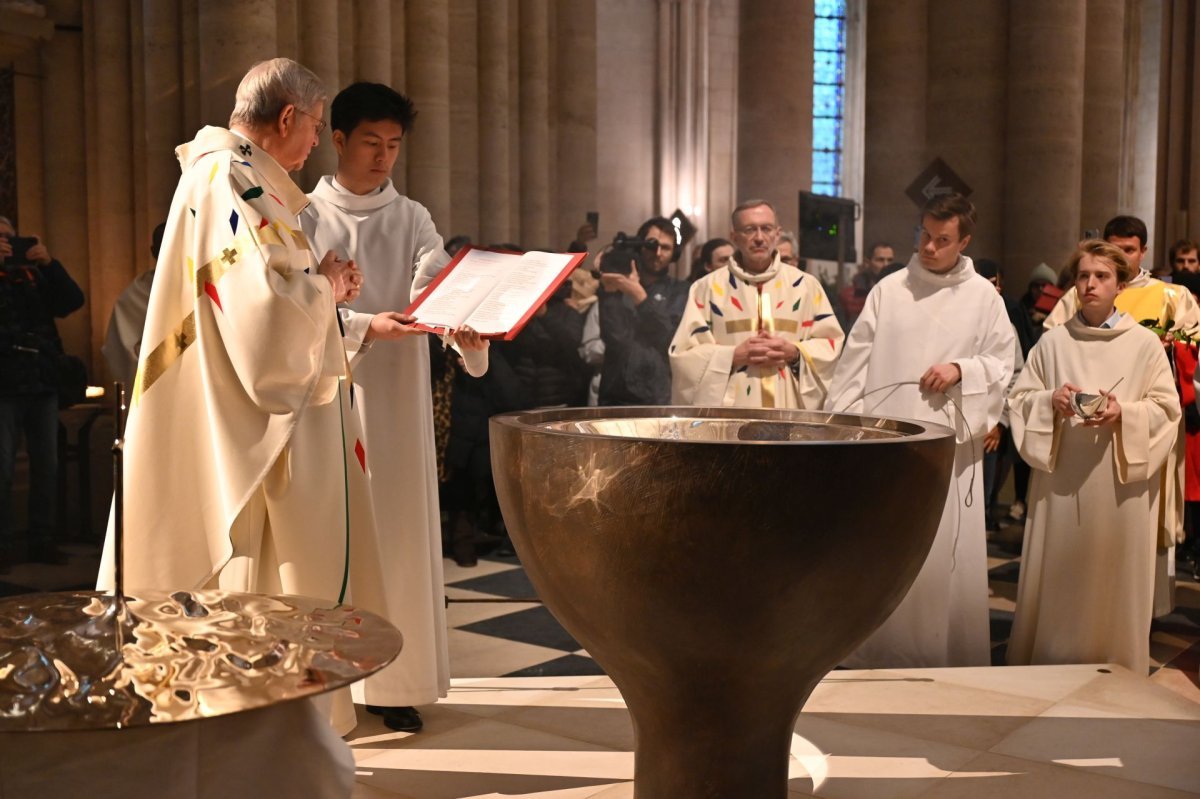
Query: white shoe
<point>1016,511</point>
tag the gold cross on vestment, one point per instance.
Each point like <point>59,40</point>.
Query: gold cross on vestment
<point>229,256</point>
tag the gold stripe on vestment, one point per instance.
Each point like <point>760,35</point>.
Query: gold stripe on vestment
<point>787,326</point>
<point>165,354</point>
<point>739,326</point>
<point>767,389</point>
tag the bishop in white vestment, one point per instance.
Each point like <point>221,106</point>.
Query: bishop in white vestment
<point>244,467</point>
<point>915,324</point>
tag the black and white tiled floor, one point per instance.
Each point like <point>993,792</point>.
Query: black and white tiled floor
<point>523,640</point>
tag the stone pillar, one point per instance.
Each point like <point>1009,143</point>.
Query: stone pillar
<point>29,144</point>
<point>110,180</point>
<point>1103,109</point>
<point>164,105</point>
<point>287,29</point>
<point>722,46</point>
<point>965,114</point>
<point>495,167</point>
<point>575,58</point>
<point>234,35</point>
<point>65,165</point>
<point>895,120</point>
<point>400,170</point>
<point>428,69</point>
<point>317,29</point>
<point>626,57</point>
<point>464,120</point>
<point>189,57</point>
<point>372,36</point>
<point>345,45</point>
<point>775,74</point>
<point>1044,159</point>
<point>535,123</point>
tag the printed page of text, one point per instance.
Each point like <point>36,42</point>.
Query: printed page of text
<point>523,283</point>
<point>467,285</point>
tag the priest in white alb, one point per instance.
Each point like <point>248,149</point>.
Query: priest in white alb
<point>757,332</point>
<point>358,214</point>
<point>934,343</point>
<point>244,467</point>
<point>1095,413</point>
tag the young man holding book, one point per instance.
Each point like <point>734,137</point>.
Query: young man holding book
<point>359,214</point>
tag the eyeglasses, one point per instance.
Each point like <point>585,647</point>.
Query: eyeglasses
<point>320,122</point>
<point>750,230</point>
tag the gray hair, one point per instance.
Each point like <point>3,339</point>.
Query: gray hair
<point>270,86</point>
<point>787,235</point>
<point>746,205</point>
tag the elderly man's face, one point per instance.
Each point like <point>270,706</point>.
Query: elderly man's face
<point>297,139</point>
<point>755,235</point>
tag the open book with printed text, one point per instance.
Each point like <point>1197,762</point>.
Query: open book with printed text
<point>495,293</point>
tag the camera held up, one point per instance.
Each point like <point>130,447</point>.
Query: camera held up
<point>626,250</point>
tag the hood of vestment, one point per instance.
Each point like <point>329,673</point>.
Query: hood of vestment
<point>962,271</point>
<point>334,193</point>
<point>211,139</point>
<point>1081,330</point>
<point>755,278</point>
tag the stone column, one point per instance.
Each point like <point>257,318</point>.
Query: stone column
<point>110,181</point>
<point>164,105</point>
<point>464,120</point>
<point>494,142</point>
<point>575,59</point>
<point>345,45</point>
<point>400,170</point>
<point>535,123</point>
<point>965,114</point>
<point>287,29</point>
<point>65,164</point>
<point>894,147</point>
<point>1103,108</point>
<point>721,122</point>
<point>775,74</point>
<point>428,69</point>
<point>372,36</point>
<point>234,35</point>
<point>317,31</point>
<point>1044,158</point>
<point>189,57</point>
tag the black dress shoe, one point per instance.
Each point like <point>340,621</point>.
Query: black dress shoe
<point>400,719</point>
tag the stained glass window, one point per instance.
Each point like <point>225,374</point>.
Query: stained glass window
<point>829,93</point>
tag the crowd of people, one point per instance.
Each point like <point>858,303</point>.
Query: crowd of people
<point>277,373</point>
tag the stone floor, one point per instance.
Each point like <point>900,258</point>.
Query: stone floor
<point>1031,732</point>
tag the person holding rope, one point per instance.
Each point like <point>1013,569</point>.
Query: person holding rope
<point>934,343</point>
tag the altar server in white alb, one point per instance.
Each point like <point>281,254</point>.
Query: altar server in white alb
<point>757,332</point>
<point>244,466</point>
<point>358,214</point>
<point>1087,576</point>
<point>934,343</point>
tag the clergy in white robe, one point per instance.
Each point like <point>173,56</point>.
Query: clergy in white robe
<point>732,305</point>
<point>359,214</point>
<point>1172,308</point>
<point>934,343</point>
<point>244,468</point>
<point>123,342</point>
<point>1087,567</point>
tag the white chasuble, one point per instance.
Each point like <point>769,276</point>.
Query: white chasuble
<point>730,305</point>
<point>1087,569</point>
<point>912,320</point>
<point>395,244</point>
<point>244,466</point>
